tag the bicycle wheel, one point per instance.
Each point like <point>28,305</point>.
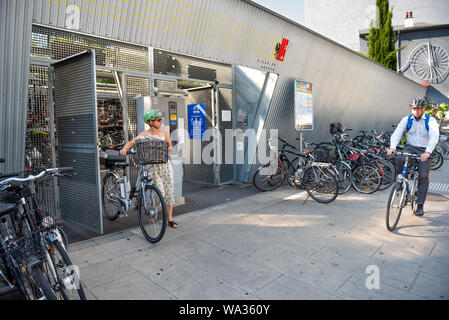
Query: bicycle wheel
<point>343,176</point>
<point>320,184</point>
<point>269,182</point>
<point>389,173</point>
<point>69,285</point>
<point>396,202</point>
<point>366,178</point>
<point>110,193</point>
<point>152,214</point>
<point>437,160</point>
<point>33,284</point>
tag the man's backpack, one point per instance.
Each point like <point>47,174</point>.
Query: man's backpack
<point>410,122</point>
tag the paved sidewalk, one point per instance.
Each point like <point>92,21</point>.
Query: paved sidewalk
<point>272,246</point>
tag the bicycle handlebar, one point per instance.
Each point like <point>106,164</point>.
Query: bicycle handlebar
<point>53,171</point>
<point>412,155</point>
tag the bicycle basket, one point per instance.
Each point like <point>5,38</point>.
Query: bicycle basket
<point>325,154</point>
<point>336,128</point>
<point>151,151</point>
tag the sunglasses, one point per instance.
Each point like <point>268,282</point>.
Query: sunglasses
<point>159,120</point>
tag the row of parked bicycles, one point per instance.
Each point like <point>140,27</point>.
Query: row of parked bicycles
<point>33,249</point>
<point>325,170</point>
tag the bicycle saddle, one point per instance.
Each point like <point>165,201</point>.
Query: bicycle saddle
<point>121,165</point>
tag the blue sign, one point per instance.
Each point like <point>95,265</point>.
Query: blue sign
<point>196,115</point>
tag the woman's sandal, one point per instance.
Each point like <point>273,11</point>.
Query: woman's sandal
<point>173,224</point>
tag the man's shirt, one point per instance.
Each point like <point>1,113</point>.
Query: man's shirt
<point>418,135</point>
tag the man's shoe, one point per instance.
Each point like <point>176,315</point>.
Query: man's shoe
<point>419,212</point>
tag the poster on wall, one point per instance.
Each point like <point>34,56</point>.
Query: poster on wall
<point>196,114</point>
<point>303,106</point>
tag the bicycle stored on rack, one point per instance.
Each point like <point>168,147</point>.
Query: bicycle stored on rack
<point>367,176</point>
<point>302,172</point>
<point>404,190</point>
<point>145,195</point>
<point>33,253</point>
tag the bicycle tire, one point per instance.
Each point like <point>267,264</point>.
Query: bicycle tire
<point>394,193</point>
<point>110,186</point>
<point>344,176</point>
<point>437,160</point>
<point>323,181</point>
<point>64,265</point>
<point>156,218</point>
<point>272,181</point>
<point>366,178</point>
<point>43,283</point>
<point>389,176</point>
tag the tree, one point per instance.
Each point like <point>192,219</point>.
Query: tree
<point>435,110</point>
<point>381,38</point>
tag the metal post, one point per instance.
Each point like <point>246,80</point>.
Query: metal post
<point>51,106</point>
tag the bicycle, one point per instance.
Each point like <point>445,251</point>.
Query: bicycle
<point>34,253</point>
<point>403,191</point>
<point>303,172</point>
<point>118,201</point>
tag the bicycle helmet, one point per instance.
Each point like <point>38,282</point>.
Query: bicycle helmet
<point>152,114</point>
<point>418,103</point>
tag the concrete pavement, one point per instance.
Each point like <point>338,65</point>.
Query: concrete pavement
<point>272,246</point>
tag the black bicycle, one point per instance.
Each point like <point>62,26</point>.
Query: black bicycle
<point>302,172</point>
<point>33,250</point>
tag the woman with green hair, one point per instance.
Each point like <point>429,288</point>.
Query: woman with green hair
<point>161,174</point>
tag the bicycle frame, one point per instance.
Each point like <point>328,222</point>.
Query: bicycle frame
<point>127,198</point>
<point>408,184</point>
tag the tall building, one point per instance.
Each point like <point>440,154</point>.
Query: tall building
<point>341,20</point>
<point>422,29</point>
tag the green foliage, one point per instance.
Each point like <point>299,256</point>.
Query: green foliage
<point>381,38</point>
<point>435,110</point>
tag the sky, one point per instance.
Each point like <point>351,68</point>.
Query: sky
<point>292,9</point>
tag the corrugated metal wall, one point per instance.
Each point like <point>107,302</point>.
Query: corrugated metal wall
<point>348,87</point>
<point>243,33</point>
<point>15,23</point>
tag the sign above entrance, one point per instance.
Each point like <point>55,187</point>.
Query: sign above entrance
<point>196,114</point>
<point>303,106</point>
<point>280,49</point>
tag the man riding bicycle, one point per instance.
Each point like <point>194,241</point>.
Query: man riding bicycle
<point>422,137</point>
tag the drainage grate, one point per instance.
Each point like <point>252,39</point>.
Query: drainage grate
<point>436,197</point>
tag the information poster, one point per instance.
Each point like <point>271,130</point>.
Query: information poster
<point>196,114</point>
<point>303,106</point>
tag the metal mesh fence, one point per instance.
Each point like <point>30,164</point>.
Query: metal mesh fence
<point>168,63</point>
<point>135,87</point>
<point>55,44</point>
<point>38,152</point>
<point>38,147</point>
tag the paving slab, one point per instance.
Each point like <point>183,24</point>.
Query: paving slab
<point>131,287</point>
<point>274,246</point>
<point>288,288</point>
<point>239,272</point>
<point>212,288</point>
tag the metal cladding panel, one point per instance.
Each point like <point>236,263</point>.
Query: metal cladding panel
<point>347,86</point>
<point>75,105</point>
<point>15,35</point>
